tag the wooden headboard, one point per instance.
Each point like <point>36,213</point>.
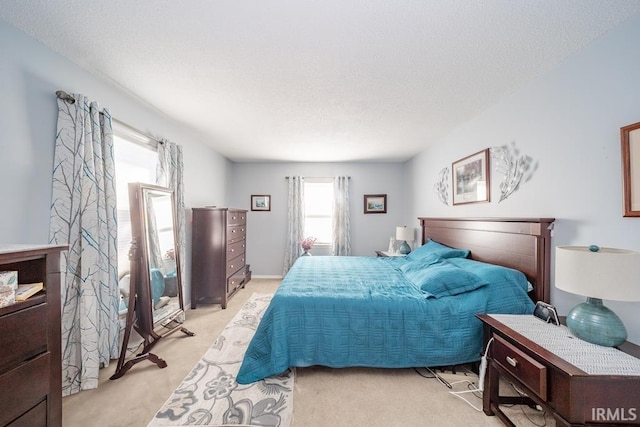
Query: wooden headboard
<point>520,243</point>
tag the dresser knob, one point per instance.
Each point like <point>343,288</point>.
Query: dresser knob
<point>513,362</point>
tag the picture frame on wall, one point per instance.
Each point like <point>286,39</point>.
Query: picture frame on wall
<point>471,180</point>
<point>260,202</point>
<point>375,203</point>
<point>630,138</point>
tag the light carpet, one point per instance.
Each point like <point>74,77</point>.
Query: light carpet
<point>210,395</point>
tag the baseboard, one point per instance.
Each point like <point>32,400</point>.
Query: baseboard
<point>266,276</point>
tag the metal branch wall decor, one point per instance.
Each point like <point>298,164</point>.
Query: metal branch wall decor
<point>442,186</point>
<point>515,167</point>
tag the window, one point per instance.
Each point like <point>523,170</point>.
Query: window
<point>135,161</point>
<point>318,209</point>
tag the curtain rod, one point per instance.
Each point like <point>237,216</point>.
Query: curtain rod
<point>287,177</point>
<point>65,97</point>
<point>128,129</point>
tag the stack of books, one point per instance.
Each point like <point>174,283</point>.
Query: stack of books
<point>25,291</point>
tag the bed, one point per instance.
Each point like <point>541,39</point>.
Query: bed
<point>400,312</point>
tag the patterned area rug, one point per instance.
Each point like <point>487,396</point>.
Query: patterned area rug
<point>210,395</point>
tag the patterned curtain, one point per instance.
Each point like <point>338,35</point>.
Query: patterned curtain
<point>84,216</point>
<point>169,173</point>
<point>295,221</point>
<point>341,233</point>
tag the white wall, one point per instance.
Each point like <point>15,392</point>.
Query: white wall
<point>569,122</point>
<point>30,74</point>
<point>266,230</point>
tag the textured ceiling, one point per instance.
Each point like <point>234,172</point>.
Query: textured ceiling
<point>327,80</point>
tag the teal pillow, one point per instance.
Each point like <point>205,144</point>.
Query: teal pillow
<point>434,248</point>
<point>494,274</point>
<point>438,277</point>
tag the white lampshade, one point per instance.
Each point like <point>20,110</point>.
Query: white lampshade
<point>611,274</point>
<point>404,234</point>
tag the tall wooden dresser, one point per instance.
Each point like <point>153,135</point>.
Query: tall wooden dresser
<point>218,254</point>
<point>30,343</point>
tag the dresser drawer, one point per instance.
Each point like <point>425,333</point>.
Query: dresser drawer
<point>235,281</point>
<point>23,388</point>
<point>235,249</point>
<point>24,335</point>
<point>235,264</point>
<point>236,218</point>
<point>235,233</point>
<point>517,363</point>
<point>35,417</point>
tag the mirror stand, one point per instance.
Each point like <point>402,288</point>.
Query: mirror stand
<point>150,337</point>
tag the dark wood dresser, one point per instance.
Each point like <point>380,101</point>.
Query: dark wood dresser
<point>30,343</point>
<point>218,254</point>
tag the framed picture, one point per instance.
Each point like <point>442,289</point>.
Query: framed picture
<point>260,202</point>
<point>630,136</point>
<point>471,179</point>
<point>375,203</point>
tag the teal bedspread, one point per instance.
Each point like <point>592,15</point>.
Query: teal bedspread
<point>364,311</point>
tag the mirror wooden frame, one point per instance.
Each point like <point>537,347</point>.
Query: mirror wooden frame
<point>630,138</point>
<point>140,309</point>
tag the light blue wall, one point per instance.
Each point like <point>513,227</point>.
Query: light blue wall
<point>569,121</point>
<point>30,74</point>
<point>266,230</point>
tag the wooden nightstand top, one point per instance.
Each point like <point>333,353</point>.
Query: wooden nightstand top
<point>388,254</point>
<point>590,358</point>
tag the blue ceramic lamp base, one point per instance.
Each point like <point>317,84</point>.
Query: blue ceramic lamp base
<point>405,248</point>
<point>593,322</point>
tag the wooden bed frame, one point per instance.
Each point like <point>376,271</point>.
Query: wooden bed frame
<point>520,243</point>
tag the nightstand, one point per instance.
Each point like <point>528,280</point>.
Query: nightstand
<point>579,383</point>
<point>388,254</point>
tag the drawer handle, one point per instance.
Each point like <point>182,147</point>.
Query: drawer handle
<point>231,266</point>
<point>513,362</point>
<point>232,250</point>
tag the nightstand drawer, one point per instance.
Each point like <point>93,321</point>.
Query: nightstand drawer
<point>22,388</point>
<point>24,335</point>
<point>521,366</point>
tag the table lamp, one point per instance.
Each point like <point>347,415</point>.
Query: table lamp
<point>598,273</point>
<point>404,234</point>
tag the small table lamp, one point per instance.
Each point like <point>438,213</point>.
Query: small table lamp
<point>404,234</point>
<point>598,273</point>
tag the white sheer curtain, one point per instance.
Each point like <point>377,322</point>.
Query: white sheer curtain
<point>169,173</point>
<point>341,233</point>
<point>295,221</point>
<point>84,216</point>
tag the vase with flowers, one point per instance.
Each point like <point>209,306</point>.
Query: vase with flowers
<point>307,244</point>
